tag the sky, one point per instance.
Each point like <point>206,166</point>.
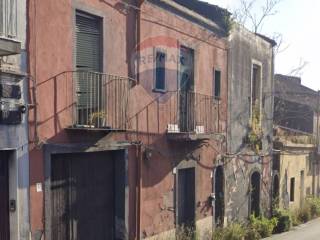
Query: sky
<point>299,23</point>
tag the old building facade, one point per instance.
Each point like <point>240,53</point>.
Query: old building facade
<point>135,119</point>
<point>250,108</point>
<point>296,159</point>
<point>130,97</point>
<point>14,165</point>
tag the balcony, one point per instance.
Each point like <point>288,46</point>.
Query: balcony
<point>8,28</point>
<point>100,101</point>
<point>195,117</point>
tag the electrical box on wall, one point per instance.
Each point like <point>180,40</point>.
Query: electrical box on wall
<point>10,116</point>
<point>10,91</point>
<point>11,104</point>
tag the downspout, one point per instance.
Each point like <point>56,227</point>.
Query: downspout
<point>138,3</point>
<point>138,191</point>
<point>271,133</point>
<point>138,36</point>
<point>316,161</point>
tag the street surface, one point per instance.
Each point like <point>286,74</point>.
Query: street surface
<point>308,231</point>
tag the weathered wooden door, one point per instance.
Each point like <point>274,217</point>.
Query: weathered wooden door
<point>219,193</point>
<point>82,197</point>
<point>186,197</point>
<point>4,197</point>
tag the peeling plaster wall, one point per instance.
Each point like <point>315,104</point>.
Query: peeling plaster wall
<point>158,213</point>
<point>246,47</point>
<point>51,44</point>
<point>157,206</point>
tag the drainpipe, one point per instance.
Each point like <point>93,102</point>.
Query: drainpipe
<point>138,190</point>
<point>271,173</point>
<point>138,35</point>
<point>317,144</point>
<point>138,4</point>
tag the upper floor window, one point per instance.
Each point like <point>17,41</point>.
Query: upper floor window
<point>160,71</point>
<point>256,91</point>
<point>292,186</point>
<point>8,18</point>
<point>217,84</point>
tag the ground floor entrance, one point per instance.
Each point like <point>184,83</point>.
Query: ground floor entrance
<point>85,196</point>
<point>186,198</point>
<point>255,193</point>
<point>4,196</point>
<point>219,196</point>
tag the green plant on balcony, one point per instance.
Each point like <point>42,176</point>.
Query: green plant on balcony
<point>98,118</point>
<point>255,134</point>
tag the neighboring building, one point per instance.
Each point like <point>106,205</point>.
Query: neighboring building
<point>130,117</point>
<point>295,126</point>
<point>14,162</point>
<point>189,135</point>
<point>247,166</point>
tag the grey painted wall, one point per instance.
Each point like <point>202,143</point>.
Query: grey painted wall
<point>246,48</point>
<point>15,138</point>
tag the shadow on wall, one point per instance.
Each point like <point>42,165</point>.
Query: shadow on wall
<point>162,156</point>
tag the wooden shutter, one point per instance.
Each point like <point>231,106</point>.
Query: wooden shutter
<point>88,54</point>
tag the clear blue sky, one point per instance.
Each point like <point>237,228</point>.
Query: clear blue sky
<point>299,23</point>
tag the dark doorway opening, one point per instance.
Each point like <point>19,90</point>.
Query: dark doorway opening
<point>4,196</point>
<point>186,198</point>
<point>84,203</point>
<point>219,194</point>
<point>255,194</point>
<point>186,87</point>
<point>275,192</point>
<point>292,189</point>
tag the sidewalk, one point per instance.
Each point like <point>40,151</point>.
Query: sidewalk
<point>308,231</point>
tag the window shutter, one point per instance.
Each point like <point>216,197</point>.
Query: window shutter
<point>88,54</point>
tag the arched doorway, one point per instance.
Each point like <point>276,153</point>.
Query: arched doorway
<point>275,192</point>
<point>255,193</point>
<point>219,194</point>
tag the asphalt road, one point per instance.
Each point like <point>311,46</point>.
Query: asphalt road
<point>308,231</point>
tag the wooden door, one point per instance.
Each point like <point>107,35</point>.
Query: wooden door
<point>4,197</point>
<point>186,198</point>
<point>82,193</point>
<point>219,193</point>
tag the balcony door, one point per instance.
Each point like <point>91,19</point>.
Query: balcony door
<point>88,57</point>
<point>186,87</point>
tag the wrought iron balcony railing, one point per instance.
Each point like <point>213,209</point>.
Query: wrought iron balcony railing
<point>195,113</point>
<point>180,114</point>
<point>100,100</point>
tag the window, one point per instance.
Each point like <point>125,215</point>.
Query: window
<point>160,71</point>
<point>217,84</point>
<point>256,89</point>
<point>276,162</point>
<point>292,185</point>
<point>88,57</point>
<point>309,161</point>
<point>8,18</point>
